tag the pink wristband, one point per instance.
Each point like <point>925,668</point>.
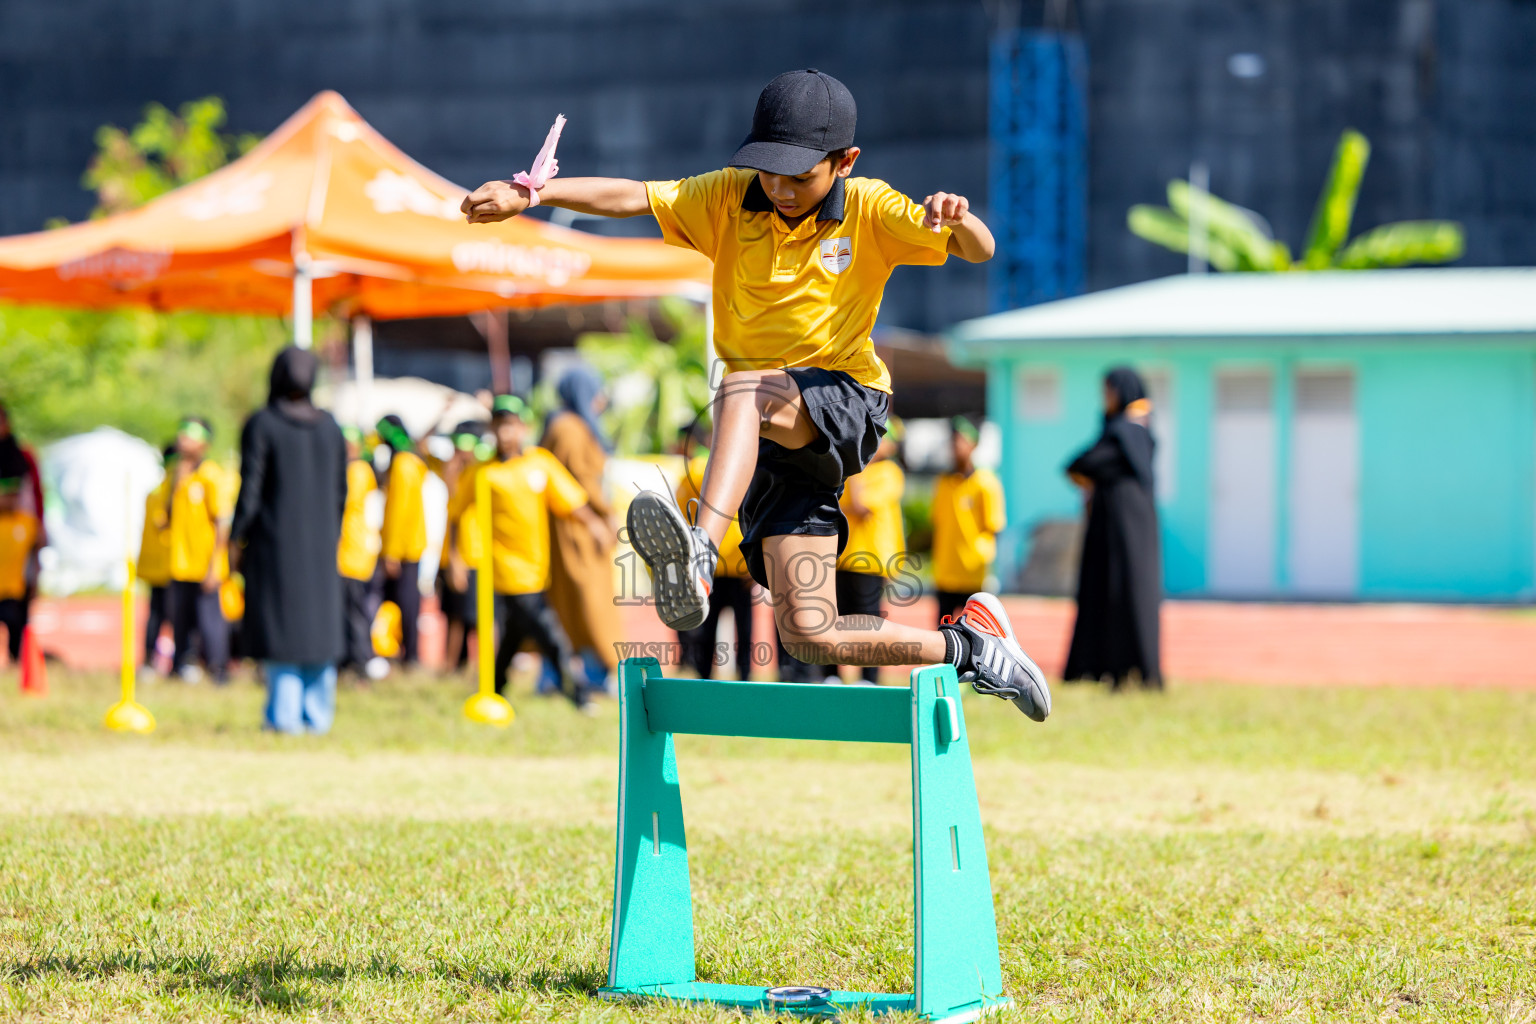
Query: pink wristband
<point>545,166</point>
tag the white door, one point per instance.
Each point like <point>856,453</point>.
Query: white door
<point>1325,486</point>
<point>1164,426</point>
<point>1241,557</point>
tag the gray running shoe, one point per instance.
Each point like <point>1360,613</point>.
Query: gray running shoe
<point>997,664</point>
<point>681,558</point>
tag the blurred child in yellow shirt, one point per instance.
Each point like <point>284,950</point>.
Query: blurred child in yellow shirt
<point>733,587</point>
<point>455,580</point>
<point>18,539</point>
<point>154,565</point>
<point>968,514</point>
<point>527,485</point>
<point>202,501</point>
<point>405,531</point>
<point>357,556</point>
<point>876,541</point>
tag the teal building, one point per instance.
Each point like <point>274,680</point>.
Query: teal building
<point>1335,435</point>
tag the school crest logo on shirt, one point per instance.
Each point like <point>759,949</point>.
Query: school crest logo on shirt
<point>836,254</point>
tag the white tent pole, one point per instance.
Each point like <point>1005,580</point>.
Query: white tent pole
<point>362,366</point>
<point>1200,185</point>
<point>303,304</point>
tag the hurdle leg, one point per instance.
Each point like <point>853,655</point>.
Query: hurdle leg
<point>957,971</point>
<point>652,940</point>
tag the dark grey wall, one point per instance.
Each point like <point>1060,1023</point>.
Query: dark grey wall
<point>661,88</point>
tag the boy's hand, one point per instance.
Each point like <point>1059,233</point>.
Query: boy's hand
<point>494,201</point>
<point>944,210</point>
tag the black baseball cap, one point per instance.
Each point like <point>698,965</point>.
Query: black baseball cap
<point>801,116</point>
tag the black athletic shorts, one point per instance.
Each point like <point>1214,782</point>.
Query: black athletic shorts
<point>795,491</point>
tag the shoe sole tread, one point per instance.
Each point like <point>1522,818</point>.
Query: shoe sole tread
<point>660,538</point>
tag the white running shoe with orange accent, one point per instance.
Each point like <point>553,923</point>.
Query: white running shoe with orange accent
<point>680,557</point>
<point>997,664</point>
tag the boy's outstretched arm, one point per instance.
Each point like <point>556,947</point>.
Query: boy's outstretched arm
<point>969,238</point>
<point>605,197</point>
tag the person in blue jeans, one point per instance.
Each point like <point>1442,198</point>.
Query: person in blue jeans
<point>287,524</point>
<point>300,698</point>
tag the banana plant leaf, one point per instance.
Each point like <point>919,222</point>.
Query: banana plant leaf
<point>1403,243</point>
<point>1162,226</point>
<point>1336,205</point>
<point>1236,240</point>
<point>1233,227</point>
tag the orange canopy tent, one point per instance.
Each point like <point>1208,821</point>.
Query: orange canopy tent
<point>326,213</point>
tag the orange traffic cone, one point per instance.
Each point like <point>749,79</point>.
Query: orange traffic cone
<point>34,672</point>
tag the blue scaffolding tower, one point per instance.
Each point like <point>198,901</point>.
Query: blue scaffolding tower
<point>1039,172</point>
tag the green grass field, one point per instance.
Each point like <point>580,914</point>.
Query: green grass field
<point>1217,853</point>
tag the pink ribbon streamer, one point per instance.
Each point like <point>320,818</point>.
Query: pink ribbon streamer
<point>545,166</point>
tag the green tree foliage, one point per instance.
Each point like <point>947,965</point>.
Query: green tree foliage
<point>63,372</point>
<point>66,371</point>
<point>658,387</point>
<point>1235,239</point>
<point>162,152</point>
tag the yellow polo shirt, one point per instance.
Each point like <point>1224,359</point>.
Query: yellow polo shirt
<point>802,296</point>
<point>463,513</point>
<point>198,504</point>
<point>358,552</point>
<point>18,533</point>
<point>405,515</point>
<point>876,539</point>
<point>968,514</point>
<point>154,566</point>
<point>525,491</point>
<point>732,562</point>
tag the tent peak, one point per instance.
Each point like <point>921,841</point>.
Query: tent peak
<point>332,102</point>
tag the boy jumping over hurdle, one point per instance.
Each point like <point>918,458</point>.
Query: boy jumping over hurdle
<point>802,252</point>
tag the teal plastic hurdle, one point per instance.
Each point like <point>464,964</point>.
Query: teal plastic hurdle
<point>956,971</point>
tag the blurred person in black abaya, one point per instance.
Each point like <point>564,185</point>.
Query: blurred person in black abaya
<point>1120,580</point>
<point>293,489</point>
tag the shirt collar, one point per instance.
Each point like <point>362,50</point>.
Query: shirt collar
<point>757,201</point>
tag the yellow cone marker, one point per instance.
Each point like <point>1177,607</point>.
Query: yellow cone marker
<point>128,715</point>
<point>487,706</point>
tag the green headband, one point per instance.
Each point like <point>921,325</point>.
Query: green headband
<point>393,436</point>
<point>193,430</point>
<point>10,485</point>
<point>466,441</point>
<point>965,428</point>
<point>509,405</point>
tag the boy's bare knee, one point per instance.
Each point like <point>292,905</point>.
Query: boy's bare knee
<point>806,640</point>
